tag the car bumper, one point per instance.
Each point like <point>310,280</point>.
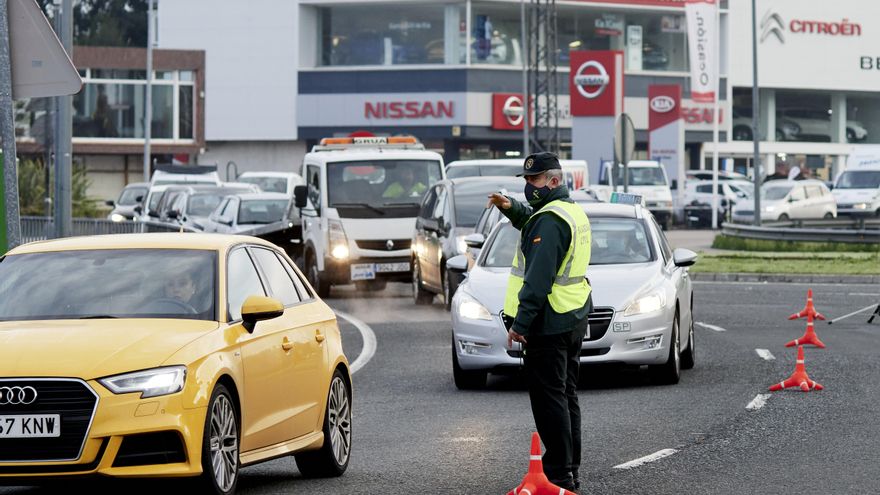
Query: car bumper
<point>127,437</point>
<point>482,344</point>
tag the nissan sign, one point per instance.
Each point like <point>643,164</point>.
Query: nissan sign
<point>591,79</point>
<point>508,111</point>
<point>513,110</point>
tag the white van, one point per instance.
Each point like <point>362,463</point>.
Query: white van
<point>857,189</point>
<point>648,179</point>
<point>359,207</point>
<point>577,175</point>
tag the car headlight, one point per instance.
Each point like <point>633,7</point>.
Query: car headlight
<point>151,383</point>
<point>337,239</point>
<point>460,245</point>
<point>339,251</point>
<point>116,217</point>
<point>470,309</point>
<point>769,208</point>
<point>646,304</point>
<point>860,206</point>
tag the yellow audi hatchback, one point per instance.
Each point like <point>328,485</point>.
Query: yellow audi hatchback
<point>166,355</point>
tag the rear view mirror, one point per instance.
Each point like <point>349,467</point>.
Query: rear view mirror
<point>173,214</point>
<point>139,199</point>
<point>474,240</point>
<point>138,209</point>
<point>259,308</point>
<point>300,196</point>
<point>684,257</point>
<point>110,203</point>
<point>430,225</point>
<point>458,263</point>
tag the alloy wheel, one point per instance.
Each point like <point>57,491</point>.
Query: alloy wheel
<point>224,443</point>
<point>339,417</point>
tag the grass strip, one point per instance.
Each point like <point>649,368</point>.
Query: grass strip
<point>741,244</point>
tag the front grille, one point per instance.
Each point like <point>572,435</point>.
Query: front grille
<point>844,206</point>
<point>382,244</point>
<point>164,447</point>
<point>72,399</point>
<point>745,212</point>
<point>600,320</point>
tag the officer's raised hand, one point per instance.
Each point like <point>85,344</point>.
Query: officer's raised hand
<point>499,200</point>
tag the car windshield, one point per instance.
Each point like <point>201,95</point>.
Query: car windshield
<point>616,241</point>
<point>267,184</point>
<point>130,196</point>
<point>483,170</point>
<point>201,205</point>
<point>109,283</point>
<point>154,200</point>
<point>380,188</point>
<point>470,199</point>
<point>261,211</point>
<point>747,189</point>
<point>184,181</point>
<point>862,179</point>
<point>643,176</point>
<point>775,193</point>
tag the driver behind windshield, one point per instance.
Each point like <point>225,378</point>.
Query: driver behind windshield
<point>180,287</point>
<point>406,185</point>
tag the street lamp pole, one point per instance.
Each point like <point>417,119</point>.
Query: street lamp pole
<point>148,105</point>
<point>756,138</point>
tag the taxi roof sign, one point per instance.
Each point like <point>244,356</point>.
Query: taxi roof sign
<point>627,199</point>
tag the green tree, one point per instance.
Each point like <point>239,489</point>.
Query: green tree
<point>107,22</point>
<point>32,190</point>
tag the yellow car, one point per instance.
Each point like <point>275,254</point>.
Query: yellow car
<point>155,355</point>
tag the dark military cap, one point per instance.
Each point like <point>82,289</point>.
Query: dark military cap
<point>538,163</point>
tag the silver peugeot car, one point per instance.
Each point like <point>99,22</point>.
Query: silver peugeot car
<point>642,300</point>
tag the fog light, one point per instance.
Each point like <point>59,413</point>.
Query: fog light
<point>468,347</point>
<point>651,342</point>
<point>340,251</point>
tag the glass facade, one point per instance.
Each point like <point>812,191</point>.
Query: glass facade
<point>111,105</point>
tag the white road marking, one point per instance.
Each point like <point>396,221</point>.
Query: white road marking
<point>656,456</point>
<point>868,294</point>
<point>368,337</point>
<point>765,354</point>
<point>711,327</point>
<point>758,402</point>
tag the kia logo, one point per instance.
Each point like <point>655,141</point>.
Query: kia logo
<point>771,24</point>
<point>598,80</point>
<point>662,104</point>
<point>513,110</point>
<point>16,396</point>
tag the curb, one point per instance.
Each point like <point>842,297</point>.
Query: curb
<point>787,278</point>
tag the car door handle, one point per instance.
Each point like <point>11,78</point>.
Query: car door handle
<point>319,336</point>
<point>286,344</point>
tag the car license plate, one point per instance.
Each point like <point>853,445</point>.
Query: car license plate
<point>392,267</point>
<point>30,426</point>
<point>363,271</point>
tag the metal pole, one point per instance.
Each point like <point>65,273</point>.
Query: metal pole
<point>756,138</point>
<point>11,234</point>
<point>623,157</point>
<point>717,62</point>
<point>64,136</point>
<point>524,45</point>
<point>148,104</point>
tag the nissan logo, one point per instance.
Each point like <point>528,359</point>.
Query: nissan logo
<point>662,104</point>
<point>513,110</point>
<point>389,244</point>
<point>599,80</point>
<point>14,396</point>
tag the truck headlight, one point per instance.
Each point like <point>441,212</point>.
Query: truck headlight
<point>339,251</point>
<point>150,383</point>
<point>470,309</point>
<point>646,304</point>
<point>337,240</point>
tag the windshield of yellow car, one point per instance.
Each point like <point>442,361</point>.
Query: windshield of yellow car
<point>109,283</point>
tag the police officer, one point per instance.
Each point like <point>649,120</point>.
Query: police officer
<point>546,307</point>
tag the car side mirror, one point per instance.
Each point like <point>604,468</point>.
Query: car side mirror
<point>684,257</point>
<point>430,225</point>
<point>791,200</point>
<point>173,214</point>
<point>153,214</point>
<point>674,184</point>
<point>259,308</point>
<point>227,222</point>
<point>458,263</point>
<point>110,203</point>
<point>474,240</point>
<point>138,209</point>
<point>139,199</point>
<point>300,196</point>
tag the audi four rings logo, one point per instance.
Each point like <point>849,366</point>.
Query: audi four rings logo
<point>513,110</point>
<point>772,23</point>
<point>16,396</point>
<point>598,80</point>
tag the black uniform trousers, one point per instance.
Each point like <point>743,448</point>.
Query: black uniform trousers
<point>552,364</point>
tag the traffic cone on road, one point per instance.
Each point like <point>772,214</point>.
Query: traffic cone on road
<point>809,337</point>
<point>535,481</point>
<point>799,378</point>
<point>809,310</point>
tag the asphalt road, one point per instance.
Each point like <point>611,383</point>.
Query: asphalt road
<point>414,432</point>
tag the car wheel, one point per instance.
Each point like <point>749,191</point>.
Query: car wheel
<point>828,215</point>
<point>783,218</point>
<point>688,357</point>
<point>371,285</point>
<point>220,444</point>
<point>332,458</point>
<point>669,373</point>
<point>466,379</point>
<point>420,295</point>
<point>319,283</point>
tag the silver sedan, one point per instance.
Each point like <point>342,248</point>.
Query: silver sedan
<point>642,297</point>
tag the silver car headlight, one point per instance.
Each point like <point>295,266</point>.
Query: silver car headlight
<point>646,304</point>
<point>151,383</point>
<point>116,217</point>
<point>470,309</point>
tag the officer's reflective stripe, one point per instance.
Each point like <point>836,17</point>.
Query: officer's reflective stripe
<point>564,278</point>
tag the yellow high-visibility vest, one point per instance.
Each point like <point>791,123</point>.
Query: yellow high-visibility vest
<point>570,288</point>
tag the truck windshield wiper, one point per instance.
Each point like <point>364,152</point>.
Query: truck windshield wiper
<point>362,205</point>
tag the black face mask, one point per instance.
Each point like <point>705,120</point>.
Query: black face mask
<point>534,195</point>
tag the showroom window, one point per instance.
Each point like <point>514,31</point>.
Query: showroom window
<point>399,34</point>
<point>863,118</point>
<point>496,34</point>
<point>802,116</point>
<point>111,105</point>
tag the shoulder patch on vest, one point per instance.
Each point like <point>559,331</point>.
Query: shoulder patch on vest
<point>536,240</point>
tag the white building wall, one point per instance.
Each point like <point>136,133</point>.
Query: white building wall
<point>254,156</point>
<point>251,63</point>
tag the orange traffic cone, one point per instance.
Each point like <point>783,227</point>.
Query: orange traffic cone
<point>535,481</point>
<point>809,337</point>
<point>799,378</point>
<point>809,310</point>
